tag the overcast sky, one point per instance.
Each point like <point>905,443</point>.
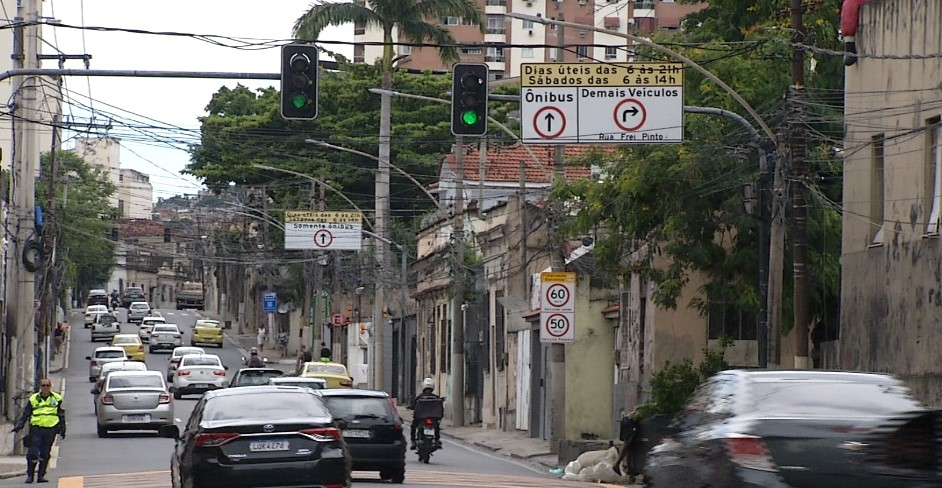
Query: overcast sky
<point>173,103</point>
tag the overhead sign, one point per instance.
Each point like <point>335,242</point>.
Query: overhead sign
<point>557,307</point>
<point>270,302</point>
<point>325,231</point>
<point>602,103</point>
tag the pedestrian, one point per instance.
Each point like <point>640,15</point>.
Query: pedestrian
<point>628,434</point>
<point>283,343</point>
<point>304,356</point>
<point>59,336</point>
<point>325,352</point>
<point>46,418</point>
<point>261,338</point>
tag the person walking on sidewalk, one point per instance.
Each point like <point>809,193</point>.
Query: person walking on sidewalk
<point>261,338</point>
<point>46,418</point>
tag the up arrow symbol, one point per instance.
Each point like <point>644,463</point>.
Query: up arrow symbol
<point>549,122</point>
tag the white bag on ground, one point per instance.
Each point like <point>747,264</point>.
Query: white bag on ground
<point>594,466</point>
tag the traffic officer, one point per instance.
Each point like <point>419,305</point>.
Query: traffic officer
<point>46,419</point>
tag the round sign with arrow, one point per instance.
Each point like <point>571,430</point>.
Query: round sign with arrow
<point>549,122</point>
<point>630,114</point>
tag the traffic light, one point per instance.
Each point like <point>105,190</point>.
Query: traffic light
<point>299,81</point>
<point>469,99</point>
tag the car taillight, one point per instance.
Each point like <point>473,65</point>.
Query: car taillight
<point>107,399</point>
<point>94,363</point>
<point>215,439</point>
<point>749,452</point>
<point>219,373</point>
<point>175,361</point>
<point>347,383</point>
<point>140,348</point>
<point>164,398</point>
<point>323,434</point>
<point>429,421</point>
<point>183,372</point>
<point>397,425</point>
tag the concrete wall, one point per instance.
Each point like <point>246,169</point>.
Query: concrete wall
<point>891,292</point>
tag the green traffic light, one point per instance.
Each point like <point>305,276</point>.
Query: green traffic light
<point>299,100</point>
<point>469,117</point>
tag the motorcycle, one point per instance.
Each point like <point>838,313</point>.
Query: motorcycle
<point>115,303</point>
<point>245,362</point>
<point>425,443</point>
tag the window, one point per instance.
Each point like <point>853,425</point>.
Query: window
<point>611,52</point>
<point>877,175</point>
<point>471,51</point>
<point>552,26</point>
<point>526,53</point>
<point>582,52</point>
<point>433,332</point>
<point>726,321</point>
<point>499,330</point>
<point>405,50</point>
<point>451,20</point>
<point>495,24</point>
<point>552,53</point>
<point>527,24</point>
<point>934,173</point>
<point>495,54</point>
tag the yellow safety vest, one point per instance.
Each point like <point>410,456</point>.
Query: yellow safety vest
<point>45,410</point>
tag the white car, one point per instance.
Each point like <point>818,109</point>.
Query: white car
<point>137,311</point>
<point>148,323</point>
<point>198,373</point>
<point>101,356</point>
<point>165,336</point>
<point>105,326</point>
<point>175,357</point>
<point>93,311</point>
<point>312,383</point>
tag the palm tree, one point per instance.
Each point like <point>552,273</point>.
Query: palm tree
<point>411,18</point>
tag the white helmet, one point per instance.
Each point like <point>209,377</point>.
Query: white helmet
<point>428,383</point>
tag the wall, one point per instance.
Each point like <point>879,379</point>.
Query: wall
<point>891,302</point>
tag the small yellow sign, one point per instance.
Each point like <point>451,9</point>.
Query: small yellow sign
<point>588,75</point>
<point>558,277</point>
<point>323,217</point>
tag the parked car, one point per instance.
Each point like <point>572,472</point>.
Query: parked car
<point>335,373</point>
<point>198,373</point>
<point>206,331</point>
<point>134,400</point>
<point>254,376</point>
<point>105,326</point>
<point>175,357</point>
<point>165,336</point>
<point>372,428</point>
<point>109,368</point>
<point>101,356</point>
<point>137,311</point>
<point>132,294</point>
<point>274,436</point>
<point>312,383</point>
<point>93,311</point>
<point>97,297</point>
<point>148,323</point>
<point>798,429</point>
<point>132,345</point>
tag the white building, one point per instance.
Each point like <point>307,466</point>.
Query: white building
<point>134,195</point>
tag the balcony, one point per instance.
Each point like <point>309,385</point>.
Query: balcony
<point>495,30</point>
<point>493,59</point>
<point>496,3</point>
<point>359,31</point>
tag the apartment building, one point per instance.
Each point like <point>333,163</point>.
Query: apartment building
<point>534,42</point>
<point>133,195</point>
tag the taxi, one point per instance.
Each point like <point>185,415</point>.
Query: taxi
<point>335,374</point>
<point>207,331</point>
<point>132,345</point>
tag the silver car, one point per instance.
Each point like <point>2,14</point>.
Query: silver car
<point>312,383</point>
<point>103,355</point>
<point>148,323</point>
<point>165,336</point>
<point>105,326</point>
<point>198,374</point>
<point>109,368</point>
<point>137,311</point>
<point>134,400</point>
<point>175,357</point>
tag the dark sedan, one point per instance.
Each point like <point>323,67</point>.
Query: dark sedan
<point>254,376</point>
<point>798,429</point>
<point>372,429</point>
<point>259,436</point>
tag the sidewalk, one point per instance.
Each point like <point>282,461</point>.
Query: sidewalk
<point>14,465</point>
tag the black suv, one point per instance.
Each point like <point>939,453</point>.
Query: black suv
<point>97,297</point>
<point>132,295</point>
<point>371,428</point>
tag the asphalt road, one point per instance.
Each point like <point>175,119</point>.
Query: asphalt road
<point>142,460</point>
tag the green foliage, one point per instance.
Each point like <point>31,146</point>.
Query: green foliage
<point>675,382</point>
<point>86,219</point>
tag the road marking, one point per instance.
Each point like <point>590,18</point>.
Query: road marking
<point>161,479</point>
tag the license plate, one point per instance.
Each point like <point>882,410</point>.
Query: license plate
<point>135,419</point>
<point>429,431</point>
<point>201,385</point>
<point>360,434</point>
<point>265,446</point>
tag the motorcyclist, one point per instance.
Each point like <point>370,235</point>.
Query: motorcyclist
<point>254,361</point>
<point>420,414</point>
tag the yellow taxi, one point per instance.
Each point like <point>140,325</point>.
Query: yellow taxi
<point>132,345</point>
<point>207,331</point>
<point>335,374</point>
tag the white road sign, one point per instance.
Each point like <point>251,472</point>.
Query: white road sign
<point>557,307</point>
<point>610,103</point>
<point>324,231</point>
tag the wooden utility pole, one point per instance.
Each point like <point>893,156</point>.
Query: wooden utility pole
<point>457,332</point>
<point>796,142</point>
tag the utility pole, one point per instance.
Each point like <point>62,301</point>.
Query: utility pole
<point>49,296</point>
<point>21,293</point>
<point>319,287</point>
<point>457,331</point>
<point>796,141</point>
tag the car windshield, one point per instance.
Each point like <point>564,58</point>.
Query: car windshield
<point>153,321</point>
<point>127,340</point>
<point>123,366</point>
<point>97,308</point>
<point>164,328</point>
<point>139,307</point>
<point>200,361</point>
<point>183,351</point>
<point>251,378</point>
<point>149,381</point>
<point>107,319</point>
<point>264,407</point>
<point>326,369</point>
<point>109,354</point>
<point>348,407</point>
<point>208,324</point>
<point>825,398</point>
